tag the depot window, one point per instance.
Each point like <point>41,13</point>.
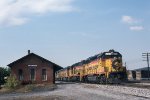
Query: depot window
<point>32,74</point>
<point>44,75</point>
<point>20,74</point>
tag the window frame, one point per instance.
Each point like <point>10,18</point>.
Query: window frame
<point>20,76</point>
<point>44,74</point>
<point>31,74</point>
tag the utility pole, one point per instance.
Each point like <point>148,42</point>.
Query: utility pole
<point>125,64</point>
<point>146,56</point>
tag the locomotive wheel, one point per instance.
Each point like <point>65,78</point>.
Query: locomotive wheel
<point>110,80</point>
<point>102,79</point>
<point>113,80</point>
<point>86,79</point>
<point>83,79</point>
<point>117,81</point>
<point>97,79</point>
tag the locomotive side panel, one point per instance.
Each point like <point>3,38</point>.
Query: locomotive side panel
<point>100,69</point>
<point>92,68</point>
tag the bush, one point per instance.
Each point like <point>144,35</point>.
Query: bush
<point>12,82</point>
<point>29,87</point>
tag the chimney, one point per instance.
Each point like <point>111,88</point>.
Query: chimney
<point>28,52</point>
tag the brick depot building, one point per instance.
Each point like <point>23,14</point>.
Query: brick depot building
<point>34,69</point>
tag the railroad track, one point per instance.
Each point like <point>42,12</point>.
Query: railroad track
<point>127,84</point>
<point>137,85</point>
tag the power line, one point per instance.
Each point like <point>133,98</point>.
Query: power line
<point>146,58</point>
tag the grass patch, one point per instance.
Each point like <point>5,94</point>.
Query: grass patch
<point>29,88</point>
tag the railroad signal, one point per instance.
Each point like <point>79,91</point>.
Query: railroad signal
<point>146,57</point>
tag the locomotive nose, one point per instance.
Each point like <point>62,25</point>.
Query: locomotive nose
<point>116,63</point>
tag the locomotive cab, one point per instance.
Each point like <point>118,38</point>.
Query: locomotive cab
<point>113,66</point>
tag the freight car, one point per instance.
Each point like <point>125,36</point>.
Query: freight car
<point>105,67</point>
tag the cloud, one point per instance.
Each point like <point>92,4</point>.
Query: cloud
<point>133,23</point>
<point>17,12</point>
<point>136,28</point>
<point>129,20</point>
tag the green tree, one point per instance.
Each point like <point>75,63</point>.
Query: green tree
<point>4,72</point>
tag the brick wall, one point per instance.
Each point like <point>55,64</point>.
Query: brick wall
<point>37,63</point>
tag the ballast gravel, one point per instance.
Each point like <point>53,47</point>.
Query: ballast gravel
<point>139,92</point>
<point>83,91</point>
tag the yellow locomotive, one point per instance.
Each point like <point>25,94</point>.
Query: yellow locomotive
<point>105,67</point>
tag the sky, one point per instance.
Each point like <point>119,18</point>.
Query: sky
<point>68,31</point>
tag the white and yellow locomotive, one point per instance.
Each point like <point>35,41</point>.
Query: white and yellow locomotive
<point>105,67</point>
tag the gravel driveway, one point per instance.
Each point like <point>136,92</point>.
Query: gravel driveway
<point>82,91</point>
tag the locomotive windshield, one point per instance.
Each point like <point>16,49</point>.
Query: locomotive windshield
<point>111,55</point>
